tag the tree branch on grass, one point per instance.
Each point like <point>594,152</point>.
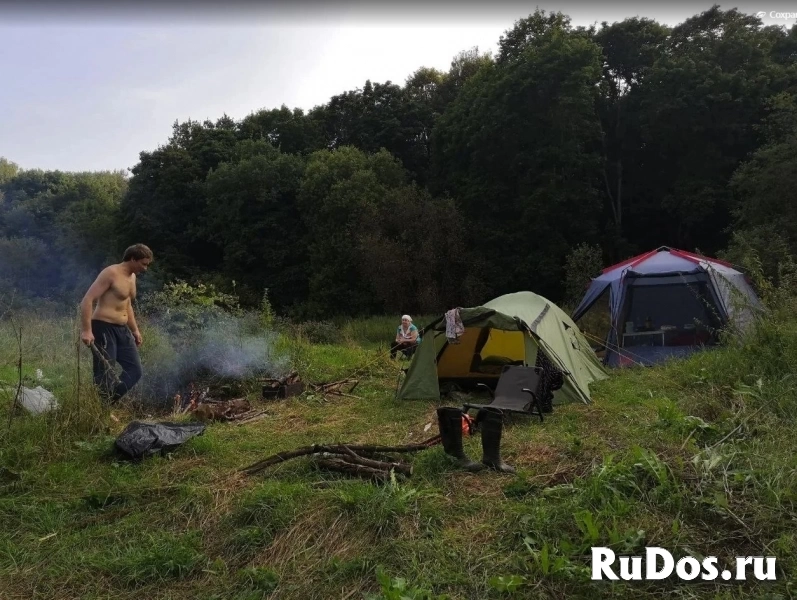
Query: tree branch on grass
<point>346,450</point>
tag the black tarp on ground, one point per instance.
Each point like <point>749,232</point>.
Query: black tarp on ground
<point>140,439</point>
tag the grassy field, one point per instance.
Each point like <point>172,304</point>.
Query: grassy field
<point>697,457</point>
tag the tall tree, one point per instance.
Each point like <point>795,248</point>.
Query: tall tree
<point>292,131</point>
<point>698,108</point>
<point>163,208</point>
<point>339,188</point>
<point>520,151</point>
<point>8,170</point>
<point>413,253</point>
<point>629,49</point>
<point>253,216</point>
<point>762,186</point>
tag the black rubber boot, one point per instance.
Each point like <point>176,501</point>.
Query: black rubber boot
<point>491,422</point>
<point>449,420</point>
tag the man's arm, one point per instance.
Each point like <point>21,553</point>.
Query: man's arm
<point>131,322</point>
<point>97,289</point>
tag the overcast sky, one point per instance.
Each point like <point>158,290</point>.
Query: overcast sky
<point>85,88</point>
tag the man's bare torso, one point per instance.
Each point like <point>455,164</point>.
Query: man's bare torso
<point>114,304</point>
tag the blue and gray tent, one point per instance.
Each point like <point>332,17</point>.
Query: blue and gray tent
<point>668,302</point>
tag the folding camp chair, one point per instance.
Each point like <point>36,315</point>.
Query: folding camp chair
<point>517,391</point>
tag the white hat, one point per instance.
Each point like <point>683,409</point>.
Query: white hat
<point>409,318</point>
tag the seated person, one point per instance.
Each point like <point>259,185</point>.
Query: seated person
<point>407,338</point>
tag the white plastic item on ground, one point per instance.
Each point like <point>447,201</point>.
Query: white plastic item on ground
<point>37,400</point>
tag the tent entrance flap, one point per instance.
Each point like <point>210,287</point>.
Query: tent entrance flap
<point>480,351</point>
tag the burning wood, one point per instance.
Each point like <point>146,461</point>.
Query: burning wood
<point>221,411</point>
<point>192,399</point>
<point>204,408</point>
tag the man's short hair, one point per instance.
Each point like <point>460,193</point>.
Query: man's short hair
<point>137,252</point>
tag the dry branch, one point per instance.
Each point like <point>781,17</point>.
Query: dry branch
<point>337,464</point>
<point>335,387</point>
<point>336,449</point>
<point>246,417</point>
<point>109,370</point>
<point>18,393</point>
<point>377,464</point>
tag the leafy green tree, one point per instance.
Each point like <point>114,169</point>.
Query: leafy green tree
<point>252,215</point>
<point>519,149</point>
<point>163,208</point>
<point>762,185</point>
<point>380,115</point>
<point>413,253</point>
<point>464,66</point>
<point>292,131</point>
<point>584,262</point>
<point>339,188</point>
<point>8,170</point>
<point>629,49</point>
<point>209,143</point>
<point>698,107</point>
<point>530,33</point>
<point>86,223</point>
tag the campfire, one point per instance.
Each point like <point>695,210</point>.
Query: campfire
<point>201,403</point>
<point>224,399</point>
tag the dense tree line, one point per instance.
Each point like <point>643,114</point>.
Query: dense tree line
<point>456,186</point>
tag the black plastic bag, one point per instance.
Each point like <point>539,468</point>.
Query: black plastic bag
<point>139,439</point>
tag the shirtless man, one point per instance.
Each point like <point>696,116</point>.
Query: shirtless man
<point>112,328</point>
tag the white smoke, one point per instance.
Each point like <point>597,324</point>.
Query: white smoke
<point>223,348</point>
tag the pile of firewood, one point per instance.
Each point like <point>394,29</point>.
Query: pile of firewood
<point>368,462</point>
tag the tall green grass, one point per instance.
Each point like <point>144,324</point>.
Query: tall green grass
<point>46,352</point>
<point>696,456</point>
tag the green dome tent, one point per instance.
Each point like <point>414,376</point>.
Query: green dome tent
<point>510,329</point>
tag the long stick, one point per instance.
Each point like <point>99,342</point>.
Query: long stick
<point>17,399</point>
<point>336,464</point>
<point>335,449</point>
<point>377,464</point>
<point>108,368</point>
<point>77,383</point>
